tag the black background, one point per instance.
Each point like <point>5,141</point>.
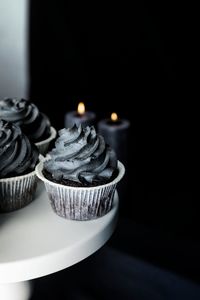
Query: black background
<point>113,55</point>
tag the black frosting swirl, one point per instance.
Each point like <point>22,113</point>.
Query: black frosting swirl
<point>25,114</point>
<point>81,155</point>
<point>17,155</point>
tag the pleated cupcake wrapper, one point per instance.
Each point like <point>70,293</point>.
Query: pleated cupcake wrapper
<point>80,203</point>
<point>43,146</point>
<point>17,192</point>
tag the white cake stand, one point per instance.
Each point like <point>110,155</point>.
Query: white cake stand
<point>35,242</point>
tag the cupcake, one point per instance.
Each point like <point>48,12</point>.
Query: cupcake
<point>80,174</point>
<point>34,124</point>
<point>18,158</point>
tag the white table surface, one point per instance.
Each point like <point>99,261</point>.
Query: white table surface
<point>35,242</point>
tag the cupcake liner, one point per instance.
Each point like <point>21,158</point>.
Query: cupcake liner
<point>17,192</point>
<point>80,203</point>
<point>44,145</point>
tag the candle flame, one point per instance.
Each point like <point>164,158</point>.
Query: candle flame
<point>114,117</point>
<point>81,108</point>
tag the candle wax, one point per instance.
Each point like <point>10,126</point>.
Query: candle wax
<point>87,119</point>
<point>116,135</point>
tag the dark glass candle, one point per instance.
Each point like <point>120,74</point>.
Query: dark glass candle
<point>115,132</point>
<point>86,118</point>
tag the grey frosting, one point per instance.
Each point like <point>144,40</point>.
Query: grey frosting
<point>25,114</point>
<point>17,155</point>
<point>81,155</point>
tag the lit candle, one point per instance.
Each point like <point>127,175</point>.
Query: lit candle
<point>115,132</point>
<point>81,116</point>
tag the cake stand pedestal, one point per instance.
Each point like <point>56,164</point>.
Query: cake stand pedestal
<point>35,242</point>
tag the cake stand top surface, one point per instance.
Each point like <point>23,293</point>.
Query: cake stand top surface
<point>35,242</point>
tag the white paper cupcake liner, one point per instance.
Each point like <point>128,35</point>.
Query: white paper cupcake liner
<point>17,192</point>
<point>44,145</point>
<point>80,203</point>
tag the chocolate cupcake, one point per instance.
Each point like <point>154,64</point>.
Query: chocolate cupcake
<point>18,158</point>
<point>81,174</point>
<point>34,124</point>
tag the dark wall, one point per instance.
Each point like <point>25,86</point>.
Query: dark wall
<point>113,56</point>
<point>106,53</point>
